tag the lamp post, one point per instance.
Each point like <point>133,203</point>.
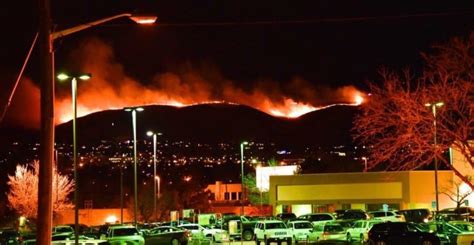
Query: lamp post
<point>433,110</point>
<point>121,193</point>
<point>365,163</point>
<point>242,176</point>
<point>158,180</point>
<point>154,135</point>
<point>74,78</point>
<point>134,111</point>
<point>46,53</point>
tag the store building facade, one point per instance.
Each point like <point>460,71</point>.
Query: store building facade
<point>312,193</point>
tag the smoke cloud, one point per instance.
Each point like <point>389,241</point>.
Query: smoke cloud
<point>111,88</point>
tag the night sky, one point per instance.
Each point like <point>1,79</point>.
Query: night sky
<point>327,44</point>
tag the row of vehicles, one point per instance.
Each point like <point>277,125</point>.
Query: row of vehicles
<point>379,227</point>
<point>414,226</point>
<point>150,234</point>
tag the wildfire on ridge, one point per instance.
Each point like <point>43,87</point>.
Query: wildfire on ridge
<point>288,109</point>
<point>111,88</point>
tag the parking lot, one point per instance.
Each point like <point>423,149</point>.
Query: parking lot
<point>253,243</point>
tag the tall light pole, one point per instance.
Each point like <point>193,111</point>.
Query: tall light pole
<point>433,110</point>
<point>134,111</point>
<point>158,180</point>
<point>121,193</point>
<point>365,163</point>
<point>46,52</point>
<point>242,176</point>
<point>74,78</point>
<point>151,133</point>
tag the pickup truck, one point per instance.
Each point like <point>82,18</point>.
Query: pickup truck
<point>124,234</point>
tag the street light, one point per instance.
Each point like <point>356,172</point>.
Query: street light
<point>134,111</point>
<point>242,175</point>
<point>365,163</point>
<point>433,110</point>
<point>73,78</point>
<point>46,52</point>
<point>151,133</point>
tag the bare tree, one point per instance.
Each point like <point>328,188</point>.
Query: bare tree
<point>397,126</point>
<point>23,194</point>
<point>458,195</point>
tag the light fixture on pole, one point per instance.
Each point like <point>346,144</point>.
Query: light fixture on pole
<point>73,78</point>
<point>134,111</point>
<point>365,163</point>
<point>151,133</point>
<point>46,39</point>
<point>242,176</point>
<point>433,110</point>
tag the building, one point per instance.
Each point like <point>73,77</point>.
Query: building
<point>221,192</point>
<point>310,193</point>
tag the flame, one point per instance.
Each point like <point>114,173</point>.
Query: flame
<point>290,109</point>
<point>358,99</point>
<point>111,88</point>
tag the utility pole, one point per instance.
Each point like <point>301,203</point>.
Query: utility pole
<point>45,185</point>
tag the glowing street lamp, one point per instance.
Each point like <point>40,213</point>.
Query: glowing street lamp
<point>152,134</point>
<point>242,176</point>
<point>73,78</point>
<point>365,163</point>
<point>134,111</point>
<point>433,110</point>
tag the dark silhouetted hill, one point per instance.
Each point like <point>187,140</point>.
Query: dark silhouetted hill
<point>216,123</point>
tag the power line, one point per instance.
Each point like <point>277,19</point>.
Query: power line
<point>308,21</point>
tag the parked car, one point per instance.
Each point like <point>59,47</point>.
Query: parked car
<point>318,218</point>
<point>327,231</point>
<point>455,214</point>
<point>450,232</point>
<point>299,229</point>
<point>463,225</point>
<point>417,215</point>
<point>352,214</point>
<point>63,229</point>
<point>268,231</point>
<point>392,216</point>
<point>82,227</point>
<point>200,232</point>
<point>167,235</point>
<point>286,216</point>
<point>10,237</point>
<point>360,230</point>
<point>400,233</point>
<point>346,224</point>
<point>196,230</point>
<point>124,234</point>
